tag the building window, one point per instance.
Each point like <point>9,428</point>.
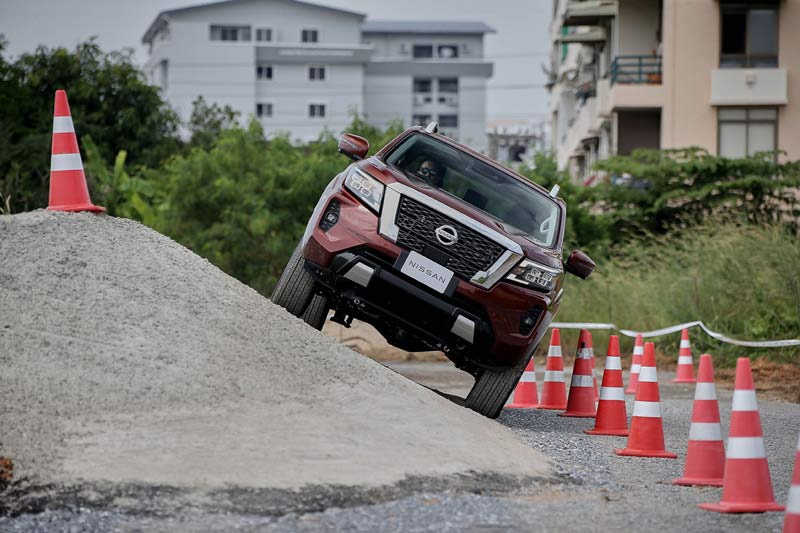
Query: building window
<point>746,131</point>
<point>264,72</point>
<point>421,120</point>
<point>230,33</point>
<point>423,85</point>
<point>448,51</point>
<point>164,72</point>
<point>309,36</point>
<point>448,85</point>
<point>423,51</point>
<point>264,109</point>
<point>749,36</point>
<point>448,121</point>
<point>316,73</point>
<point>316,110</point>
<point>264,34</point>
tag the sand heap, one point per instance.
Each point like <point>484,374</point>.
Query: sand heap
<point>125,357</point>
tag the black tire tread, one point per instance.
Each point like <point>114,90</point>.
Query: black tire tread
<point>317,312</point>
<point>492,388</point>
<point>295,286</point>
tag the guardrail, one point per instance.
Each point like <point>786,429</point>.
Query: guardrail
<point>636,69</point>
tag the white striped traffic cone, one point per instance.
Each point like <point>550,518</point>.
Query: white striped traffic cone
<point>554,391</point>
<point>525,394</point>
<point>685,372</point>
<point>791,522</point>
<point>746,486</point>
<point>646,438</point>
<point>612,418</point>
<point>636,365</point>
<point>705,455</point>
<point>581,396</point>
<point>68,189</point>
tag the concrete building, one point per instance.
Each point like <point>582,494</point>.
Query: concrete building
<point>423,71</point>
<point>717,74</point>
<point>301,67</point>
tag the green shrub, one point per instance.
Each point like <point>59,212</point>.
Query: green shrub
<point>739,280</point>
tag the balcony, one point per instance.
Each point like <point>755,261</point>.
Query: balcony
<point>756,86</point>
<point>636,69</point>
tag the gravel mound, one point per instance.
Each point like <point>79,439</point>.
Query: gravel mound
<point>125,357</point>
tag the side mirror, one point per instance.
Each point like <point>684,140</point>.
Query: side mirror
<point>579,264</point>
<point>353,146</point>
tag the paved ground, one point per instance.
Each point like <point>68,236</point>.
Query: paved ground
<point>596,490</point>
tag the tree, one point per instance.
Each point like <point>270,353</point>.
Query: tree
<point>670,188</point>
<point>110,101</point>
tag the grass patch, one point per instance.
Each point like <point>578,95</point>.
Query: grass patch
<point>742,281</point>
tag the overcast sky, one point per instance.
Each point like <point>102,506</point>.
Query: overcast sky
<point>518,48</point>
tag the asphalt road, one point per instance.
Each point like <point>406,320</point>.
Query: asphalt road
<point>596,490</point>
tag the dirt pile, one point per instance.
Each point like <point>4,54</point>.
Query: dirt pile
<point>124,357</point>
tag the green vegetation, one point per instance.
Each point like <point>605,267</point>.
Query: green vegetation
<point>685,236</point>
<point>739,280</point>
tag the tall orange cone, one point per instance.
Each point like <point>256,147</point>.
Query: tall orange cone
<point>68,190</point>
<point>525,395</point>
<point>594,373</point>
<point>612,419</point>
<point>791,523</point>
<point>636,365</point>
<point>746,485</point>
<point>685,373</point>
<point>554,391</point>
<point>580,403</point>
<point>705,455</point>
<point>646,437</point>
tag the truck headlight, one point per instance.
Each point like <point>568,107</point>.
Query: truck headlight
<point>534,275</point>
<point>365,188</point>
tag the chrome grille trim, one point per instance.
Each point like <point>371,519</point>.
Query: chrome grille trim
<point>485,278</point>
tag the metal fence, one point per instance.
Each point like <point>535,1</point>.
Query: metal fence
<point>636,69</point>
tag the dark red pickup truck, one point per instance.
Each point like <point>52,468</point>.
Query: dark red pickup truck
<point>438,247</point>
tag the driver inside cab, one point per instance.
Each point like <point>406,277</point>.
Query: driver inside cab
<point>431,172</point>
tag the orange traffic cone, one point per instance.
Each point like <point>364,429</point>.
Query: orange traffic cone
<point>705,455</point>
<point>554,391</point>
<point>746,485</point>
<point>525,395</point>
<point>636,365</point>
<point>594,374</point>
<point>685,373</point>
<point>646,437</point>
<point>68,190</point>
<point>581,396</point>
<point>791,523</point>
<point>612,419</point>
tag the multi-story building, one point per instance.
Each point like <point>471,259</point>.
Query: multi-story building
<point>721,75</point>
<point>301,67</point>
<point>423,70</point>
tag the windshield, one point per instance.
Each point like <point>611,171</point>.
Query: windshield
<point>521,209</point>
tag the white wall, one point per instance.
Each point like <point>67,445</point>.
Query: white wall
<point>290,93</point>
<point>387,98</point>
<point>391,46</point>
<point>472,112</point>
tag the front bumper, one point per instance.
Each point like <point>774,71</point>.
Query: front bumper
<point>497,313</point>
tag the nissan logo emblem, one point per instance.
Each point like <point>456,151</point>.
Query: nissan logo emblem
<point>446,235</point>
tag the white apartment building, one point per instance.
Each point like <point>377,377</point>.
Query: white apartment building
<point>301,67</point>
<point>718,74</point>
<point>423,70</point>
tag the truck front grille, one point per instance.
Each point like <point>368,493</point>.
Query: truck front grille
<point>471,253</point>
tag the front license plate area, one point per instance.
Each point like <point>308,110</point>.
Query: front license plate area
<point>428,272</point>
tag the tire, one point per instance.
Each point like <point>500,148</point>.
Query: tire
<point>295,286</point>
<point>493,387</point>
<point>317,312</point>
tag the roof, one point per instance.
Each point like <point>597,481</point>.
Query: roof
<point>164,16</point>
<point>426,26</point>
